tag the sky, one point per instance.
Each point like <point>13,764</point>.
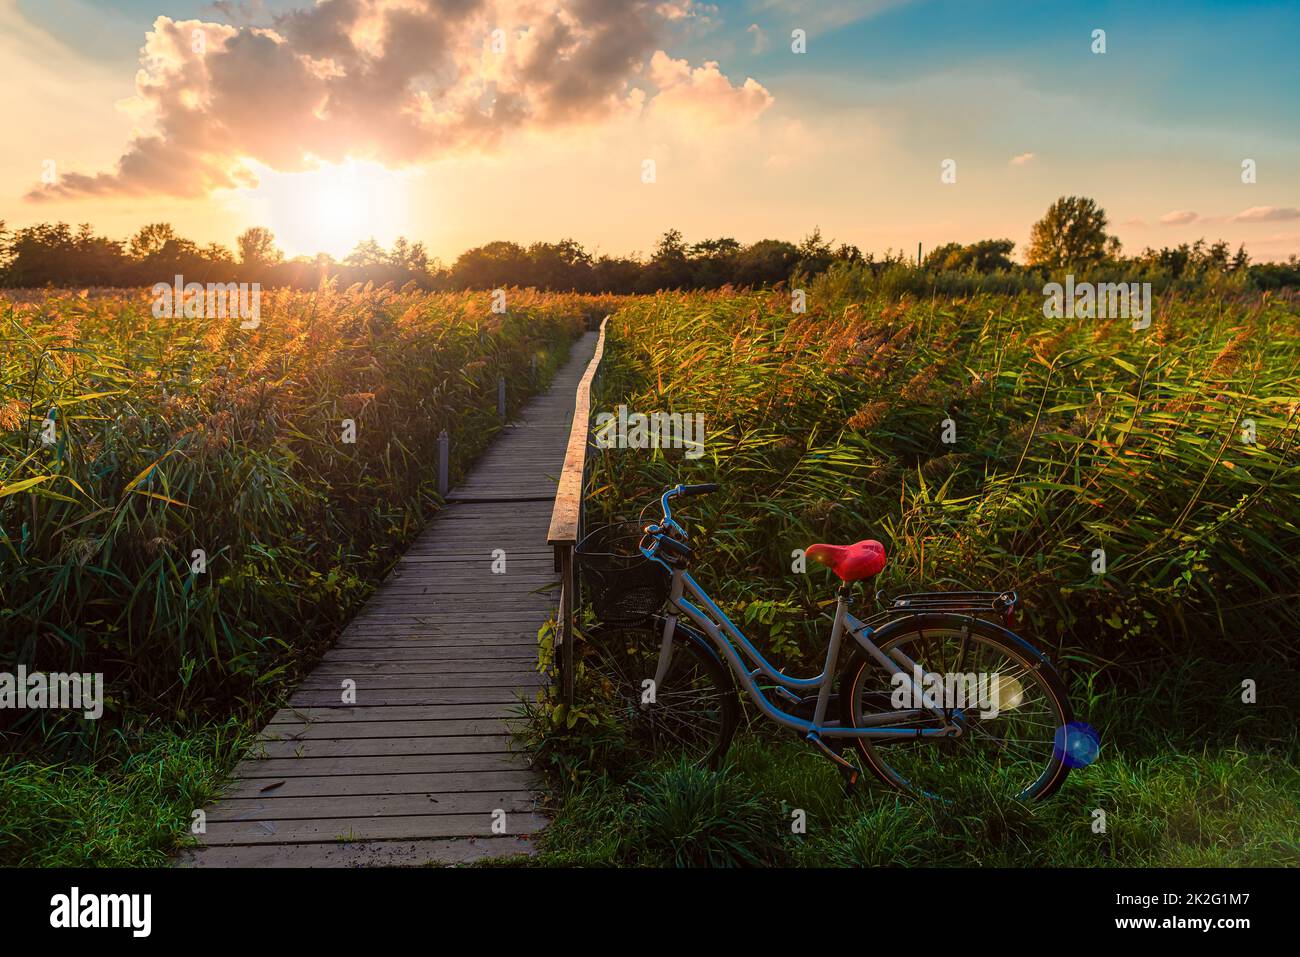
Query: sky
<point>459,122</point>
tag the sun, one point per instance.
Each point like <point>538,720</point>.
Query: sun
<point>331,208</point>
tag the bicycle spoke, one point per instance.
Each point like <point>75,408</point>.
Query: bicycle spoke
<point>1017,743</point>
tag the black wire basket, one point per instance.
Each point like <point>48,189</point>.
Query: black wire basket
<point>624,587</point>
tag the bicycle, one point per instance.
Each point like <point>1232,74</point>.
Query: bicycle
<point>671,659</point>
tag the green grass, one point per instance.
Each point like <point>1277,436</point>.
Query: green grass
<point>1175,793</point>
<point>130,807</point>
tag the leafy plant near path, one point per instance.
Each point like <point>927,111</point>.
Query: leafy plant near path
<point>185,434</point>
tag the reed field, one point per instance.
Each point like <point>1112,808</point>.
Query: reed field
<point>181,434</point>
<point>1069,436</point>
<point>1170,452</point>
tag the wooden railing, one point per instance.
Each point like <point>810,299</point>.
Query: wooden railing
<point>567,520</point>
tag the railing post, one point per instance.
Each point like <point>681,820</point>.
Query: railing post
<point>568,602</point>
<point>568,521</point>
<point>501,397</point>
<point>443,448</point>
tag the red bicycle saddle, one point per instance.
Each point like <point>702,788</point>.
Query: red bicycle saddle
<point>851,563</point>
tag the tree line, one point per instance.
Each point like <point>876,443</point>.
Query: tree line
<point>1073,234</point>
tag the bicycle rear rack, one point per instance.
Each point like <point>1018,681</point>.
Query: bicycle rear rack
<point>1000,603</point>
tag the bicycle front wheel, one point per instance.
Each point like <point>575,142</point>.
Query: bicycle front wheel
<point>1008,745</point>
<point>692,712</point>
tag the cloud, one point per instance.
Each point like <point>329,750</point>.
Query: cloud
<point>1136,221</point>
<point>1266,214</point>
<point>1179,217</point>
<point>821,16</point>
<point>702,95</point>
<point>1022,159</point>
<point>683,9</point>
<point>760,37</point>
<point>399,82</point>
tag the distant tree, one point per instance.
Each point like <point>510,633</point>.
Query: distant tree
<point>985,256</point>
<point>150,240</point>
<point>939,257</point>
<point>669,266</point>
<point>100,261</point>
<point>492,266</point>
<point>671,248</point>
<point>1193,261</point>
<point>563,265</point>
<point>1072,233</point>
<point>815,254</point>
<point>41,255</point>
<point>723,246</point>
<point>257,247</point>
<point>217,253</point>
<point>615,274</point>
<point>1277,275</point>
<point>713,262</point>
<point>1216,257</point>
<point>366,254</point>
<point>765,262</point>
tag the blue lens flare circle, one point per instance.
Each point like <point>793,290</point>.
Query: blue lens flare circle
<point>1077,744</point>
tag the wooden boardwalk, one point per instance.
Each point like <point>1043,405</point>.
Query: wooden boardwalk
<point>422,766</point>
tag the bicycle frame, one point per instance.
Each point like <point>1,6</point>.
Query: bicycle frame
<point>686,597</point>
<point>731,642</point>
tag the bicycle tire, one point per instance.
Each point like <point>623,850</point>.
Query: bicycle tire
<point>695,711</point>
<point>857,689</point>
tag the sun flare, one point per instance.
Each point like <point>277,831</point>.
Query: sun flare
<point>333,207</point>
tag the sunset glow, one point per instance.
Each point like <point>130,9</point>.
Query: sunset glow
<point>332,208</point>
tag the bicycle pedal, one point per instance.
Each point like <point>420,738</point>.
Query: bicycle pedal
<point>846,766</point>
<point>789,696</point>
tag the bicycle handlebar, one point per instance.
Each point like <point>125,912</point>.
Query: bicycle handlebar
<point>703,489</point>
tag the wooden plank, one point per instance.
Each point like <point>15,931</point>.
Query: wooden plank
<point>415,853</point>
<point>326,699</point>
<point>436,679</point>
<point>373,805</point>
<point>439,646</point>
<point>519,613</point>
<point>355,714</point>
<point>436,666</point>
<point>342,730</point>
<point>377,747</point>
<point>435,626</point>
<point>344,829</point>
<point>340,785</point>
<point>277,768</point>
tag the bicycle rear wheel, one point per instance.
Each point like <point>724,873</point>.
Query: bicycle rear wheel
<point>692,712</point>
<point>1009,740</point>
